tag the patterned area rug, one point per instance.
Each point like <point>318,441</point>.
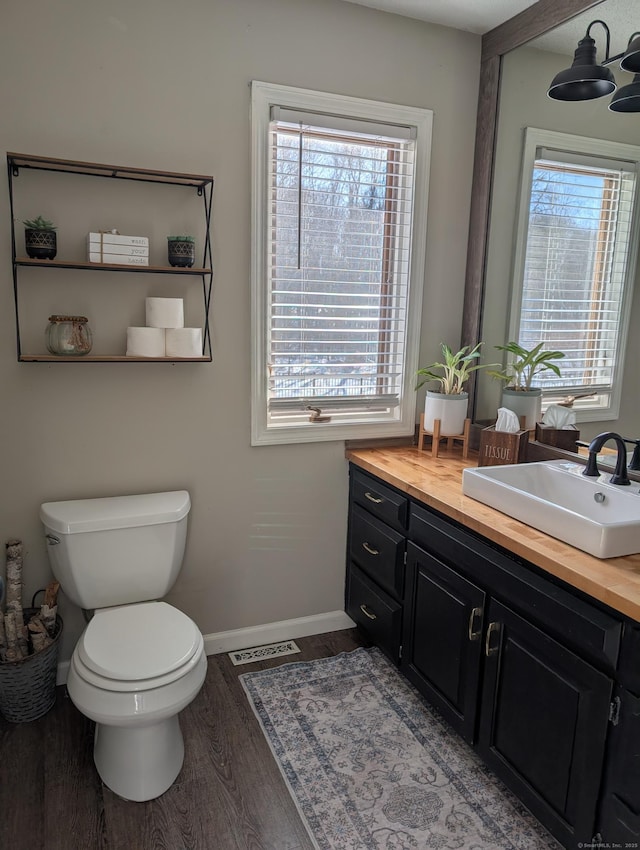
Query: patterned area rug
<point>371,767</point>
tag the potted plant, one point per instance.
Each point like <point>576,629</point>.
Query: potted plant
<point>520,394</point>
<point>449,404</point>
<point>40,240</point>
<point>181,251</point>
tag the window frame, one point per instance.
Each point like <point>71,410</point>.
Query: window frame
<point>586,410</point>
<point>362,425</point>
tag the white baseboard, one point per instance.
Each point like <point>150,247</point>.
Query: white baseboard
<point>316,624</point>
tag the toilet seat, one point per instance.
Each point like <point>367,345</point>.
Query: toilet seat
<point>137,647</point>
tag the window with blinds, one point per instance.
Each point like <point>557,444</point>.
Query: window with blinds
<point>340,192</point>
<point>577,269</point>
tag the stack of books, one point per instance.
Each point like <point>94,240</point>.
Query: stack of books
<point>113,247</point>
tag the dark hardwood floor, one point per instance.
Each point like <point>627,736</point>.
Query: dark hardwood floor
<point>229,795</point>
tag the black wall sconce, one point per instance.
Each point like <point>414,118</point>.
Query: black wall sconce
<point>586,79</point>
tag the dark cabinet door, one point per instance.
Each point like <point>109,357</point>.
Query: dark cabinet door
<point>441,647</point>
<point>620,811</point>
<point>543,723</point>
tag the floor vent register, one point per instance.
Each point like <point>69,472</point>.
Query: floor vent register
<point>262,653</point>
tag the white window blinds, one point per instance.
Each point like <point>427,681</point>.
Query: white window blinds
<point>577,251</point>
<point>340,206</point>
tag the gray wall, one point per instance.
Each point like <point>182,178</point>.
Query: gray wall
<point>163,85</point>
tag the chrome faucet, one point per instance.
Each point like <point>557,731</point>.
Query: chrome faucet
<point>620,475</point>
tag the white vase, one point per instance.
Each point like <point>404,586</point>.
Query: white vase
<point>524,403</point>
<point>451,410</point>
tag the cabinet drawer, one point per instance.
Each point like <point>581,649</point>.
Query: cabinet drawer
<point>378,549</point>
<point>377,614</point>
<point>380,500</point>
<point>594,633</point>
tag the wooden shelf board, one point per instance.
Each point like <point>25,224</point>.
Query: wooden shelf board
<point>112,267</point>
<point>108,358</point>
<point>97,169</point>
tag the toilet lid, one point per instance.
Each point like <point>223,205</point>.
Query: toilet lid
<point>135,642</point>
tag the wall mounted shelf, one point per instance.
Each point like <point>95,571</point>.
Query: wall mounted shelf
<point>203,186</point>
<point>108,358</point>
<point>108,267</point>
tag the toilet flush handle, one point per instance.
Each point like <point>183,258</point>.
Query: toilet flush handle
<point>52,540</point>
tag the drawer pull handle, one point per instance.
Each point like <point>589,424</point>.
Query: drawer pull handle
<point>475,613</point>
<point>370,549</point>
<point>375,499</point>
<point>366,612</point>
<point>488,649</point>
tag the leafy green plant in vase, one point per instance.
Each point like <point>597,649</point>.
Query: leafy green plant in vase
<point>450,403</point>
<point>40,239</point>
<point>520,393</point>
<point>181,251</point>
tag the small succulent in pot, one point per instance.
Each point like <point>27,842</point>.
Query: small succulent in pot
<point>40,240</point>
<point>181,251</point>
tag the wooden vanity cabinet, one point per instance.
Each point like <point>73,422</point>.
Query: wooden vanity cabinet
<point>528,670</point>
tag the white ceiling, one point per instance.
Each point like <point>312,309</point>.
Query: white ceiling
<point>472,15</point>
<point>480,16</point>
<point>621,16</point>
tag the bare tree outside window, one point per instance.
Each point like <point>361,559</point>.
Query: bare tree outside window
<point>340,213</point>
<point>577,245</point>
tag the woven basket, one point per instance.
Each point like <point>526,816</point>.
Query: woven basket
<point>28,687</point>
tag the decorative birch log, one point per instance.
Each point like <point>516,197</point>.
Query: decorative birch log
<point>13,653</point>
<point>14,576</point>
<point>49,607</point>
<point>39,635</point>
<point>3,640</point>
<point>22,633</point>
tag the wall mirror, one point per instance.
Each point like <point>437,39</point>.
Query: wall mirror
<point>519,60</point>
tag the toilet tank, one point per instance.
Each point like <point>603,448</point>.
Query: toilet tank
<point>117,550</point>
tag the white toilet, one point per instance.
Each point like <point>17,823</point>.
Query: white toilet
<point>139,661</point>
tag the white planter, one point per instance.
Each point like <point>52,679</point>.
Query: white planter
<point>451,410</point>
<point>527,403</point>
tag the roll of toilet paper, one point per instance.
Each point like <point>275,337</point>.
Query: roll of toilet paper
<point>164,312</point>
<point>183,342</point>
<point>145,342</point>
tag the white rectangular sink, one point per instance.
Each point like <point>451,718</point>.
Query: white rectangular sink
<point>553,496</point>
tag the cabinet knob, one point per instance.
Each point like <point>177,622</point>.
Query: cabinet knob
<point>488,649</point>
<point>375,499</point>
<point>476,613</point>
<point>367,613</point>
<point>370,549</point>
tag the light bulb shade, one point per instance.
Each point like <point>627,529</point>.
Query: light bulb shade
<point>585,79</point>
<point>631,59</point>
<point>627,98</point>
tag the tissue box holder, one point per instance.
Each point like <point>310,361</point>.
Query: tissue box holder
<point>559,438</point>
<point>498,447</point>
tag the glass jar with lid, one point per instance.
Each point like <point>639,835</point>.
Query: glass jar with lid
<point>69,336</point>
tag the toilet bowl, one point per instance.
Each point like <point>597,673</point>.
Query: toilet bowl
<point>139,660</point>
<point>134,697</point>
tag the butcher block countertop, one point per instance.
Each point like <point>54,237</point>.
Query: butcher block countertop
<point>437,482</point>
